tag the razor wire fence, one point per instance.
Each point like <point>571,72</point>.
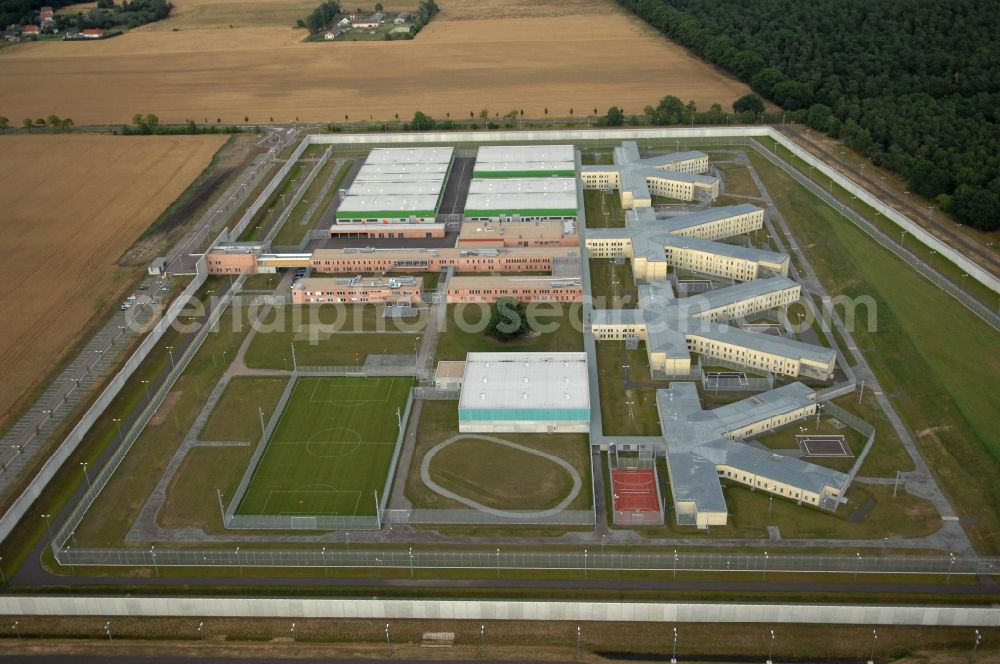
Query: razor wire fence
<point>100,480</point>
<point>848,418</point>
<point>594,558</point>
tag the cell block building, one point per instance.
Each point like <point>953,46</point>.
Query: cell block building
<point>679,175</point>
<point>704,447</point>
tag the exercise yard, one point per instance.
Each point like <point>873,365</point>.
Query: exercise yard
<point>331,449</point>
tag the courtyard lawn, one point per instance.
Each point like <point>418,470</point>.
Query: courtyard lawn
<point>329,335</point>
<point>331,449</point>
<point>603,211</point>
<point>558,324</point>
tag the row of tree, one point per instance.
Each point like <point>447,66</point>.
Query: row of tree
<point>912,85</point>
<point>53,121</point>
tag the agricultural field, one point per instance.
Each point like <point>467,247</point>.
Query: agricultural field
<point>73,205</point>
<point>331,449</point>
<point>537,56</point>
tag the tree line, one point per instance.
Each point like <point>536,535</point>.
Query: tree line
<point>912,85</point>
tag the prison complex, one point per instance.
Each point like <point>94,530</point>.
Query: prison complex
<point>680,175</point>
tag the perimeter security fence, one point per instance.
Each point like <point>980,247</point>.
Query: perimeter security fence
<point>100,480</point>
<point>500,559</point>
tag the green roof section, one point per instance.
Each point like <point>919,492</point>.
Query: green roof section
<point>526,212</point>
<point>497,175</point>
<point>386,214</point>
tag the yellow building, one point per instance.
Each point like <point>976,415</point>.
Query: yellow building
<point>704,447</point>
<point>679,175</point>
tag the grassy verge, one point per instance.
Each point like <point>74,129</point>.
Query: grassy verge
<point>235,416</point>
<point>737,180</point>
<point>297,226</point>
<point>276,203</point>
<point>934,373</point>
<point>114,511</point>
<point>612,286</point>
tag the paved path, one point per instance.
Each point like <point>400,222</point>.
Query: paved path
<point>425,475</point>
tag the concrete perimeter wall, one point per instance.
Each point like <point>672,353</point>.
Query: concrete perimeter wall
<point>435,609</point>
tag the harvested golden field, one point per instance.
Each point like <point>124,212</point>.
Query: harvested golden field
<point>71,206</point>
<point>577,54</point>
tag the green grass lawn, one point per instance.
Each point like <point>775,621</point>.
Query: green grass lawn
<point>737,180</point>
<point>786,439</point>
<point>931,354</point>
<point>558,324</point>
<point>296,226</point>
<point>314,331</point>
<point>235,416</point>
<point>496,476</point>
<point>616,417</point>
<point>603,211</point>
<point>261,282</point>
<point>611,285</point>
<point>331,449</point>
<point>275,204</point>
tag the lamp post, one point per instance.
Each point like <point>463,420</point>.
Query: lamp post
<point>388,643</point>
<point>770,648</point>
<point>83,464</point>
<point>857,565</point>
<point>498,563</point>
<point>201,632</point>
<point>482,640</point>
<point>675,564</point>
<point>673,653</point>
<point>578,636</point>
<point>152,552</point>
<point>585,564</point>
<point>951,563</point>
<point>293,632</point>
<point>871,657</point>
<point>770,501</point>
<point>107,630</point>
<point>240,563</point>
<point>48,524</point>
<point>170,351</point>
<point>411,562</point>
<point>145,384</point>
<point>14,628</point>
<point>325,571</point>
<point>118,423</point>
<point>765,568</point>
<point>975,645</point>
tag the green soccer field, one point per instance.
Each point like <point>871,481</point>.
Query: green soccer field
<point>331,448</point>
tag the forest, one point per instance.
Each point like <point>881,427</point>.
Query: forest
<point>914,85</point>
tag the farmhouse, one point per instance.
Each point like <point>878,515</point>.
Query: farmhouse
<point>332,34</point>
<point>403,17</point>
<point>679,175</point>
<point>525,392</point>
<point>92,33</point>
<point>30,30</point>
<point>368,22</point>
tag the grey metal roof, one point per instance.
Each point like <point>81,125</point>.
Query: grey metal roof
<point>751,254</point>
<point>706,216</point>
<point>697,444</point>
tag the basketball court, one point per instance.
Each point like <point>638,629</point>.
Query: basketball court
<point>823,446</point>
<point>725,380</point>
<point>636,497</point>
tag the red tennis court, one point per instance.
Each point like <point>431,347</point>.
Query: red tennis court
<point>636,497</point>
